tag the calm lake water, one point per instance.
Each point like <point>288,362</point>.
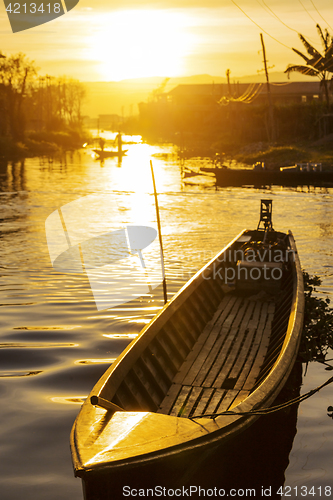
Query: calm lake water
<point>55,343</point>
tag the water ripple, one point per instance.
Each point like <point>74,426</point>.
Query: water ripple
<point>10,345</point>
<point>64,327</point>
<point>69,400</point>
<point>19,374</point>
<point>92,361</point>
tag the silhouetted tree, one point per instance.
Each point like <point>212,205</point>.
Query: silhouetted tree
<point>317,64</point>
<point>58,102</point>
<point>72,94</point>
<point>16,76</point>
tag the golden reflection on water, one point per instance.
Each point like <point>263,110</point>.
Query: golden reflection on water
<point>94,360</point>
<point>140,321</point>
<point>14,374</point>
<point>62,327</point>
<point>134,176</point>
<point>40,345</point>
<point>120,335</point>
<point>79,400</point>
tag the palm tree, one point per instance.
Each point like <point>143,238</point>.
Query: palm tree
<point>317,64</point>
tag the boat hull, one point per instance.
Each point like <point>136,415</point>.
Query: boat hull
<point>109,154</point>
<point>249,452</point>
<point>247,177</point>
<point>255,337</point>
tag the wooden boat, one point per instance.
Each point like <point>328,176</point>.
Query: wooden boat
<point>220,351</point>
<point>189,173</point>
<point>186,173</point>
<point>211,170</point>
<point>105,153</point>
<point>247,177</point>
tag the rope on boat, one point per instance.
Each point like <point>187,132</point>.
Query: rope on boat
<point>266,411</point>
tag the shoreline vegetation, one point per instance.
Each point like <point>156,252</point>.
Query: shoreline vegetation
<point>304,132</point>
<point>273,155</point>
<point>40,115</point>
<point>317,336</point>
<point>45,143</point>
<point>51,143</point>
<point>54,142</point>
<point>276,156</point>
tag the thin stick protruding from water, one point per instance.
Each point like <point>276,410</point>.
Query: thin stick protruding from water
<point>159,235</point>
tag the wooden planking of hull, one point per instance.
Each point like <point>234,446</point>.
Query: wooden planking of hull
<point>226,341</point>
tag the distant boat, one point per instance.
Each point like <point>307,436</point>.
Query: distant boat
<point>216,347</point>
<point>210,170</point>
<point>297,175</point>
<point>204,171</point>
<point>104,153</point>
<point>189,173</point>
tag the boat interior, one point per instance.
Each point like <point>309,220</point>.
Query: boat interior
<point>218,338</point>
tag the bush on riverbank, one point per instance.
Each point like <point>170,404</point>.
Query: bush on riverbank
<point>48,142</point>
<point>276,156</point>
<point>283,156</point>
<point>11,150</point>
<point>66,140</point>
<point>43,143</point>
<point>317,336</point>
<point>39,115</point>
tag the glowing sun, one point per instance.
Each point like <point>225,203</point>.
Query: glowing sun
<point>140,43</point>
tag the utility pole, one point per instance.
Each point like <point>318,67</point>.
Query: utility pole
<point>269,97</point>
<point>228,80</point>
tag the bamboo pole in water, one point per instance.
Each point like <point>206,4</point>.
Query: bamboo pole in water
<point>159,234</point>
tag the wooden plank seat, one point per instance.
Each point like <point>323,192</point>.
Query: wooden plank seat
<point>223,365</point>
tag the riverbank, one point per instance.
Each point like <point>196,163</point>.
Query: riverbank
<point>42,143</point>
<point>273,155</point>
<point>45,143</point>
<point>283,156</point>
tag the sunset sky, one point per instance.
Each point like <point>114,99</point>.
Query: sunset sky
<point>115,40</point>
